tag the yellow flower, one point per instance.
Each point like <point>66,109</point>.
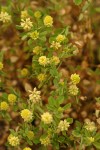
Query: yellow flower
<point>63,126</point>
<point>55,45</point>
<point>5,17</point>
<point>60,38</point>
<point>91,139</point>
<point>27,148</point>
<point>43,60</point>
<point>48,21</point>
<point>24,14</point>
<point>30,135</point>
<point>41,77</point>
<point>12,98</point>
<point>90,126</point>
<point>45,141</point>
<point>24,72</point>
<point>75,78</point>
<point>1,65</point>
<point>46,118</point>
<point>55,60</point>
<point>73,90</point>
<point>37,50</point>
<point>13,140</point>
<point>37,14</point>
<point>34,35</point>
<point>26,115</point>
<point>26,24</point>
<point>4,105</point>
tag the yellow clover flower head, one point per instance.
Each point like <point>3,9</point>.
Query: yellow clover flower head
<point>46,118</point>
<point>30,135</point>
<point>12,98</point>
<point>4,105</point>
<point>24,14</point>
<point>75,78</point>
<point>27,148</point>
<point>55,45</point>
<point>91,139</point>
<point>41,77</point>
<point>5,17</point>
<point>90,126</point>
<point>37,50</point>
<point>45,141</point>
<point>63,125</point>
<point>48,21</point>
<point>24,72</point>
<point>1,65</point>
<point>37,14</point>
<point>13,140</point>
<point>34,35</point>
<point>26,115</point>
<point>73,90</point>
<point>26,24</point>
<point>43,60</point>
<point>60,38</point>
<point>55,60</point>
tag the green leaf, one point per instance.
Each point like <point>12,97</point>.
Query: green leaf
<point>70,120</point>
<point>76,133</point>
<point>67,106</point>
<point>97,137</point>
<point>77,2</point>
<point>97,145</point>
<point>1,56</point>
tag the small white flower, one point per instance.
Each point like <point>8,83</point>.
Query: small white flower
<point>63,125</point>
<point>5,17</point>
<point>35,96</point>
<point>26,24</point>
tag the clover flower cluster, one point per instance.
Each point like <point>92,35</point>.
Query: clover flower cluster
<point>12,98</point>
<point>41,77</point>
<point>13,140</point>
<point>34,35</point>
<point>4,106</point>
<point>26,24</point>
<point>48,21</point>
<point>34,96</point>
<point>43,60</point>
<point>45,141</point>
<point>1,65</point>
<point>37,50</point>
<point>55,45</point>
<point>26,114</point>
<point>5,17</point>
<point>90,126</point>
<point>46,118</point>
<point>63,126</point>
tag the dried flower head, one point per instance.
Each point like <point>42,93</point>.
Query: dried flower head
<point>26,24</point>
<point>90,126</point>
<point>55,60</point>
<point>55,45</point>
<point>34,96</point>
<point>5,17</point>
